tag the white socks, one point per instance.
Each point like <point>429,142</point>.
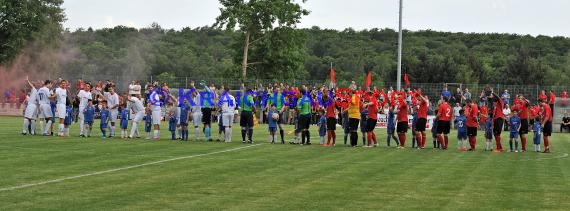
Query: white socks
<point>197,133</point>
<point>133,129</point>
<point>25,126</point>
<point>33,127</point>
<point>156,134</point>
<point>228,134</point>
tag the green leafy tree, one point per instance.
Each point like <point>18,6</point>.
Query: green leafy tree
<point>23,21</point>
<point>256,18</point>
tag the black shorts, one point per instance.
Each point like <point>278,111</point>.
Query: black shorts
<point>497,126</point>
<point>304,121</point>
<point>402,127</point>
<point>331,123</point>
<point>471,131</point>
<point>206,115</point>
<point>421,124</point>
<point>443,127</point>
<point>353,124</point>
<point>246,119</point>
<point>547,130</point>
<point>370,125</point>
<point>524,127</point>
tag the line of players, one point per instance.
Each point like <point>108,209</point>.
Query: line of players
<point>352,113</point>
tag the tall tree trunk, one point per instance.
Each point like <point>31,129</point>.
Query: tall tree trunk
<point>244,62</point>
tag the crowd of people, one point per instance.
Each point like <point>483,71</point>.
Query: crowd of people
<point>54,102</point>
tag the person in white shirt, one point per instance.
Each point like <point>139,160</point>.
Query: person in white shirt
<point>113,104</point>
<point>44,97</point>
<point>31,112</point>
<point>137,107</point>
<point>132,87</point>
<point>228,107</point>
<point>155,107</point>
<point>61,98</point>
<point>456,114</point>
<point>196,111</point>
<point>507,114</point>
<point>84,96</point>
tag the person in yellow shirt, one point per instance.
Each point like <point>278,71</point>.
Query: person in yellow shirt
<point>353,118</point>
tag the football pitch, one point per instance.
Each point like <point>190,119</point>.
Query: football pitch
<point>76,173</point>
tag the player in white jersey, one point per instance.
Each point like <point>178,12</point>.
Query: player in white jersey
<point>196,109</point>
<point>31,112</point>
<point>137,107</point>
<point>61,98</point>
<point>113,103</point>
<point>44,97</point>
<point>155,103</point>
<point>84,96</point>
<point>228,107</point>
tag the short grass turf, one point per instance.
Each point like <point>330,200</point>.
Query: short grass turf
<point>94,174</point>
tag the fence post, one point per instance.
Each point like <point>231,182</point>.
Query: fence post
<point>186,82</point>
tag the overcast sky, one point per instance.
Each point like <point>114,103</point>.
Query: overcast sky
<point>547,17</point>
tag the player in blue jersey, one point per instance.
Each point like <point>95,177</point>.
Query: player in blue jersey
<point>461,123</point>
<point>515,125</point>
<point>124,121</point>
<point>105,116</point>
<point>88,116</point>
<point>391,127</point>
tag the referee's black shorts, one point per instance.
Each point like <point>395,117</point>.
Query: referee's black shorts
<point>246,119</point>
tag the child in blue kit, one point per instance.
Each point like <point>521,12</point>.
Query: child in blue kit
<point>515,124</point>
<point>148,123</point>
<point>461,122</point>
<point>272,124</point>
<point>88,115</point>
<point>322,127</point>
<point>391,127</point>
<point>488,134</point>
<point>363,128</point>
<point>434,133</point>
<point>105,116</point>
<point>415,143</point>
<point>172,125</point>
<point>68,118</point>
<point>124,122</point>
<point>536,127</point>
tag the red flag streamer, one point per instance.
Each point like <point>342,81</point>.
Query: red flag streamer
<point>368,80</point>
<point>332,75</point>
<point>406,79</point>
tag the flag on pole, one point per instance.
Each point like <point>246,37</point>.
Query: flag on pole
<point>368,80</point>
<point>332,75</point>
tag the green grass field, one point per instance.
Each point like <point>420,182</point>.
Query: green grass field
<point>93,174</point>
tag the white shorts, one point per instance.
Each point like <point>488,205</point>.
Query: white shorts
<point>156,117</point>
<point>31,111</point>
<point>80,114</point>
<point>138,116</point>
<point>228,119</point>
<point>45,111</point>
<point>114,114</point>
<point>60,109</point>
<point>197,118</point>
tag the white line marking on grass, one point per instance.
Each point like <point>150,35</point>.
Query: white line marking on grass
<point>121,169</point>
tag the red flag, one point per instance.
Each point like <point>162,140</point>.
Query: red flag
<point>368,80</point>
<point>332,75</point>
<point>406,79</point>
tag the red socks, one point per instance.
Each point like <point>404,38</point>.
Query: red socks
<point>523,142</point>
<point>546,143</point>
<point>402,138</point>
<point>329,136</point>
<point>472,142</point>
<point>440,140</point>
<point>419,139</point>
<point>424,139</point>
<point>446,141</point>
<point>498,142</point>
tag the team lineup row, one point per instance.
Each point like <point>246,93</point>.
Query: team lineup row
<point>353,113</point>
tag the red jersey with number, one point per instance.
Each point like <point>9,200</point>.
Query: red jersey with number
<point>403,113</point>
<point>444,112</point>
<point>422,111</point>
<point>498,110</point>
<point>547,113</point>
<point>330,110</point>
<point>472,116</point>
<point>523,108</point>
<point>373,111</point>
<point>552,97</point>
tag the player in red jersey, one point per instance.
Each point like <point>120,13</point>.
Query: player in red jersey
<point>371,122</point>
<point>444,123</point>
<point>402,118</point>
<point>483,111</point>
<point>523,106</point>
<point>422,120</point>
<point>472,113</point>
<point>498,119</point>
<point>331,118</point>
<point>551,99</point>
<point>546,116</point>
